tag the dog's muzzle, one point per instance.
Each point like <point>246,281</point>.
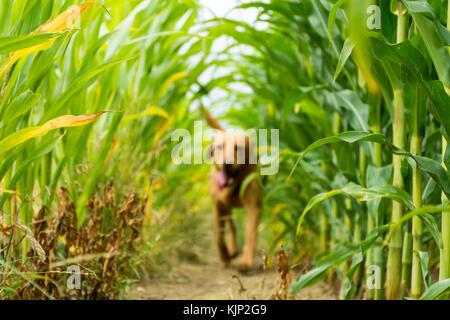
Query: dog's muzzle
<point>224,177</point>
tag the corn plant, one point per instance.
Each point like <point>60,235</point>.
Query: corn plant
<point>350,102</point>
<point>119,71</point>
<point>90,92</point>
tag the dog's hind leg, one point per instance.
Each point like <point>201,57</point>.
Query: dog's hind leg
<point>220,213</point>
<point>253,208</point>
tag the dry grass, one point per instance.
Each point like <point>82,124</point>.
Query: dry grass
<point>283,282</point>
<point>101,248</point>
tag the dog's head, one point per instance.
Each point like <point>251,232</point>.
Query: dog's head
<point>231,151</point>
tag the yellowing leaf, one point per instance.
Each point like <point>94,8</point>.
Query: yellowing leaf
<point>61,22</point>
<point>8,191</point>
<point>151,111</point>
<point>162,128</point>
<point>115,145</point>
<point>64,20</point>
<point>3,190</point>
<point>174,77</point>
<point>23,135</point>
<point>279,207</point>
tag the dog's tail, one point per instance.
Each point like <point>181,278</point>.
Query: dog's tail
<point>211,121</point>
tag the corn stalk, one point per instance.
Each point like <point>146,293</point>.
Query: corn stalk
<point>417,228</point>
<point>444,272</point>
<point>394,266</point>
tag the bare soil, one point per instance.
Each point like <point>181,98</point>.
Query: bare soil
<point>206,279</point>
<point>209,281</point>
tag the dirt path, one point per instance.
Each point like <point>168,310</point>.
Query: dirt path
<point>208,280</point>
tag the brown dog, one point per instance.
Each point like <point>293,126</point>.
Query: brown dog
<point>230,169</point>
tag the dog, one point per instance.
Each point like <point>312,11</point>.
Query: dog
<point>232,154</point>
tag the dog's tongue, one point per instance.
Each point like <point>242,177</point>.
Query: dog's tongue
<point>221,179</point>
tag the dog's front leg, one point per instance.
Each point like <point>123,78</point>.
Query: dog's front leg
<point>253,209</point>
<point>232,242</point>
<point>220,213</point>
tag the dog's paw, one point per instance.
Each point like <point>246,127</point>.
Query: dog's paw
<point>225,263</point>
<point>244,266</point>
<point>233,255</point>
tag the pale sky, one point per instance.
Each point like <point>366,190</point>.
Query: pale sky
<point>221,8</point>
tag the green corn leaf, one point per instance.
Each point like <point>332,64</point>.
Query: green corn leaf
<point>412,60</point>
<point>80,82</point>
<point>358,111</point>
<point>425,214</point>
<point>98,167</point>
<point>36,154</point>
<point>332,18</point>
<point>343,57</point>
<point>424,261</point>
<point>19,106</point>
<point>10,44</point>
<point>247,180</point>
<point>349,288</point>
<point>362,194</point>
<point>9,160</point>
<point>296,96</point>
<point>436,290</point>
<point>436,171</point>
<point>334,259</point>
<point>435,38</point>
<point>375,177</point>
<point>277,7</point>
